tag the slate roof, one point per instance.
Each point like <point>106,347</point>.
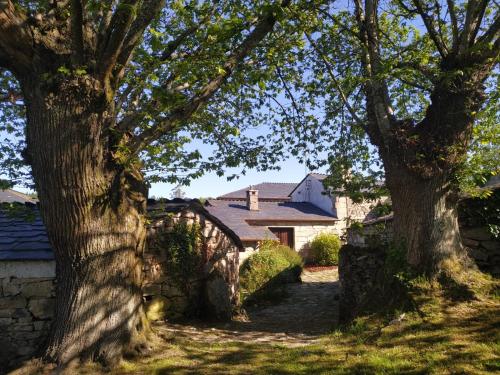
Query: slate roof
<point>245,222</point>
<point>22,239</point>
<point>317,176</point>
<point>163,207</point>
<point>267,190</point>
<point>10,196</point>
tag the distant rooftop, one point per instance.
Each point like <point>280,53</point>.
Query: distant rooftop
<point>277,191</point>
<point>245,223</point>
<point>11,196</point>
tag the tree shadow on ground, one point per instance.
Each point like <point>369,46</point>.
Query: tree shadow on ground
<point>307,308</point>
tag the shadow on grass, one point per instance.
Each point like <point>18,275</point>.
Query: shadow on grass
<point>281,307</point>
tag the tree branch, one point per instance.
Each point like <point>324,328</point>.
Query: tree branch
<point>429,25</point>
<point>379,110</point>
<point>491,33</point>
<point>147,13</point>
<point>422,69</point>
<point>16,41</point>
<point>77,32</point>
<point>184,112</point>
<point>454,23</point>
<point>336,83</point>
<point>114,38</point>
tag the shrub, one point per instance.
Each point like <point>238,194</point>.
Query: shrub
<point>263,272</point>
<point>325,249</point>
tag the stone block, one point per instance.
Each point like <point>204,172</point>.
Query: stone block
<point>478,255</point>
<point>152,290</point>
<point>41,325</point>
<point>5,321</point>
<point>170,290</point>
<point>42,308</point>
<point>21,313</point>
<point>23,327</point>
<point>37,289</point>
<point>25,351</point>
<point>6,313</point>
<point>27,319</point>
<point>470,242</point>
<point>480,234</point>
<point>11,286</point>
<point>491,245</point>
<point>12,302</point>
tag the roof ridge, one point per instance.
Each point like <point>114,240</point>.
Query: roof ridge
<point>267,182</point>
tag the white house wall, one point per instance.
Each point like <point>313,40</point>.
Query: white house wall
<point>304,234</point>
<point>310,190</point>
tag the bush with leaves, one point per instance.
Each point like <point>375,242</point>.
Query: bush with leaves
<point>325,249</point>
<point>274,264</point>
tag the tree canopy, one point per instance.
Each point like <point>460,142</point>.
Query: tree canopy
<point>191,51</point>
<point>421,47</point>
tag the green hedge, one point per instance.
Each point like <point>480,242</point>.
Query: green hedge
<point>325,249</point>
<point>271,266</point>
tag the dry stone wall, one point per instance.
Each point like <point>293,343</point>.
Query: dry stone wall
<point>27,296</point>
<point>27,289</point>
<point>359,274</point>
<point>483,247</point>
<point>212,292</point>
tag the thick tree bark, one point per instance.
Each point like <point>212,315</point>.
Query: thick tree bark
<point>425,219</point>
<point>93,209</point>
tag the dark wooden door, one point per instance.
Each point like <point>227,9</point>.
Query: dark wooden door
<point>284,235</point>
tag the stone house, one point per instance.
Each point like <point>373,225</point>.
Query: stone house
<point>293,213</point>
<point>28,283</point>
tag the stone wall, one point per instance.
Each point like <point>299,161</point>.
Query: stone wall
<point>27,291</point>
<point>359,272</point>
<point>477,238</point>
<point>212,292</point>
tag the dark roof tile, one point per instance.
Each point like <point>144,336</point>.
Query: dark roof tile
<point>267,190</point>
<point>11,196</point>
<point>23,239</point>
<point>237,217</point>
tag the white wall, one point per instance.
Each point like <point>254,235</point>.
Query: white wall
<point>304,234</point>
<point>310,190</point>
<point>27,268</point>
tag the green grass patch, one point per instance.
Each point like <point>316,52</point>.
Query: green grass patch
<point>450,338</point>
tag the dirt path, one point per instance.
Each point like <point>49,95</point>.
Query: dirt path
<point>309,310</point>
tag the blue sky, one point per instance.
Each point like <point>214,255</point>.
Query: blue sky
<point>211,185</point>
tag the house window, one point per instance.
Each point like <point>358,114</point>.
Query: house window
<point>284,235</point>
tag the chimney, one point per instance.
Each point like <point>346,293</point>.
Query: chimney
<point>252,199</point>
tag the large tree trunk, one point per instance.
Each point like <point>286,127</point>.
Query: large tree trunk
<point>425,219</point>
<point>93,209</point>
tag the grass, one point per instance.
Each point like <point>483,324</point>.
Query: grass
<point>448,338</point>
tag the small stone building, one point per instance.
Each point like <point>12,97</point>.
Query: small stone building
<point>212,291</point>
<point>27,272</point>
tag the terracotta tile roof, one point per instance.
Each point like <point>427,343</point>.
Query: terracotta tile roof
<point>245,222</point>
<point>267,190</point>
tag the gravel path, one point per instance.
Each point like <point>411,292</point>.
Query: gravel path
<point>309,310</point>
